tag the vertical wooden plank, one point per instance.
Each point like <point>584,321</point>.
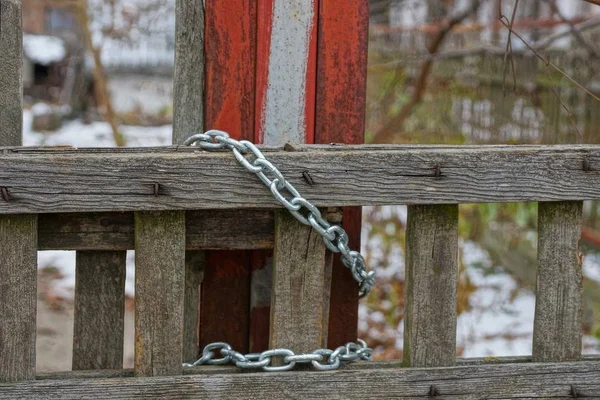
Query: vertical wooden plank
<point>159,292</point>
<point>18,267</point>
<point>18,234</point>
<point>189,119</point>
<point>431,281</point>
<point>230,46</point>
<point>299,303</point>
<point>340,118</point>
<point>99,323</point>
<point>188,84</point>
<point>557,330</point>
<point>11,85</point>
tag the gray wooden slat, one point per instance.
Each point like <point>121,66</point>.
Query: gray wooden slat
<point>300,291</point>
<point>159,292</point>
<point>18,272</point>
<point>188,119</point>
<point>18,234</point>
<point>194,272</point>
<point>431,281</point>
<point>557,330</point>
<point>11,83</point>
<point>499,381</point>
<point>91,180</point>
<point>188,96</point>
<point>98,327</point>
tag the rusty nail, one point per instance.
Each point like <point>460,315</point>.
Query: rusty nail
<point>437,171</point>
<point>586,165</point>
<point>308,178</point>
<point>6,196</point>
<point>574,392</point>
<point>156,189</point>
<point>433,391</point>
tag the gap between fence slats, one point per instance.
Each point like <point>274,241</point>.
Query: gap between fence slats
<point>431,284</point>
<point>159,292</point>
<point>557,331</point>
<point>18,234</point>
<point>301,286</point>
<point>98,327</point>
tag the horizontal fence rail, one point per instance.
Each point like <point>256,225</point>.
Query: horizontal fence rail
<point>39,180</point>
<point>533,380</point>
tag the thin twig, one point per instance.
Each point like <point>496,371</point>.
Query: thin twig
<point>574,31</point>
<point>550,64</point>
<point>508,52</point>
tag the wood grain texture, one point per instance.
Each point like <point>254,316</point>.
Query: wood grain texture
<point>159,292</point>
<point>18,269</point>
<point>123,179</point>
<point>300,295</point>
<point>231,369</point>
<point>207,229</point>
<point>194,272</point>
<point>11,83</point>
<point>188,82</point>
<point>340,118</point>
<point>18,234</point>
<point>431,282</point>
<point>503,381</point>
<point>98,326</point>
<point>557,329</point>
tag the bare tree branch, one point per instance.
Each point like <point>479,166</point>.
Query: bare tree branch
<point>574,31</point>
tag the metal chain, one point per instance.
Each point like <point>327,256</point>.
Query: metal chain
<point>334,236</point>
<point>321,359</point>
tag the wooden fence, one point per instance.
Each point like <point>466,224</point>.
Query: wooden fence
<point>169,203</point>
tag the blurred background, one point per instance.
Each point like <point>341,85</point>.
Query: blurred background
<point>99,73</point>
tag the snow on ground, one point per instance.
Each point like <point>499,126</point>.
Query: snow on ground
<point>43,49</point>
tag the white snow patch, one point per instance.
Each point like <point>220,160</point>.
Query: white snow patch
<point>44,49</point>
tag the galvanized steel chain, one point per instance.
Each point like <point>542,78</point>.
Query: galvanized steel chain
<point>334,236</point>
<point>321,359</point>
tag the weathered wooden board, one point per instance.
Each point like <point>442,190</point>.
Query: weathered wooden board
<point>231,369</point>
<point>18,234</point>
<point>18,270</point>
<point>97,180</point>
<point>431,282</point>
<point>11,82</point>
<point>340,118</point>
<point>230,46</point>
<point>504,381</point>
<point>159,292</point>
<point>98,326</point>
<point>206,229</point>
<point>557,328</point>
<point>301,285</point>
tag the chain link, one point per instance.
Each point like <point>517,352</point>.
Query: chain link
<point>334,236</point>
<point>320,359</point>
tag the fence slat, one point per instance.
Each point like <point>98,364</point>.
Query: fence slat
<point>18,234</point>
<point>557,331</point>
<point>188,107</point>
<point>300,295</point>
<point>98,327</point>
<point>11,84</point>
<point>431,281</point>
<point>159,292</point>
